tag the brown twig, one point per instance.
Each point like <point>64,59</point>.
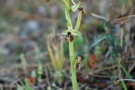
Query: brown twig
<point>126,17</point>
<point>103,69</point>
<point>133,66</point>
<point>100,76</point>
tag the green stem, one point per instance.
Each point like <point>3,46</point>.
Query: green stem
<point>71,46</point>
<point>72,62</point>
<point>67,14</point>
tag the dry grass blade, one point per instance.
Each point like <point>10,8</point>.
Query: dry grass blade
<point>126,17</point>
<point>110,13</point>
<point>55,50</point>
<point>99,17</point>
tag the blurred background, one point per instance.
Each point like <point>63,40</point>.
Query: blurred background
<point>32,47</point>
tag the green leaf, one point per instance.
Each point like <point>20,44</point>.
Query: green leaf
<point>124,85</point>
<point>27,86</point>
<point>75,33</point>
<point>98,41</point>
<point>126,72</point>
<point>78,21</point>
<point>65,32</point>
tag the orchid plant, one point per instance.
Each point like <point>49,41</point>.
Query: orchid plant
<point>70,34</point>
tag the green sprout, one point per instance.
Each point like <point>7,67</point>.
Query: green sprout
<point>40,72</point>
<point>24,63</point>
